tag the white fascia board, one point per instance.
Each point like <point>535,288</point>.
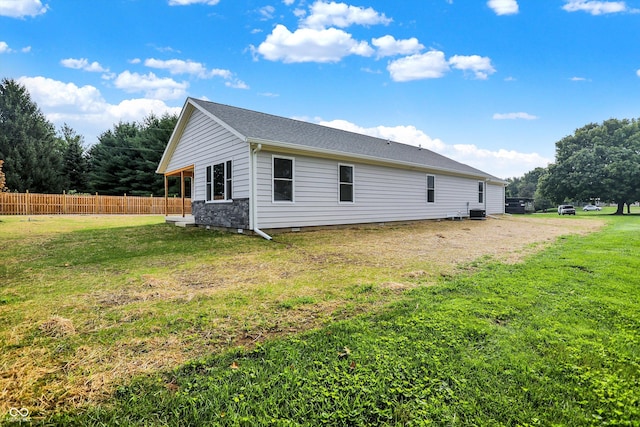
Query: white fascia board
<point>185,113</point>
<point>341,155</point>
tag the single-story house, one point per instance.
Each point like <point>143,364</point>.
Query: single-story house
<point>256,171</point>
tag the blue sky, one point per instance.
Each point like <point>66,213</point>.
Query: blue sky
<point>493,84</point>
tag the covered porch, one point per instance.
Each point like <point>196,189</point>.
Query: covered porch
<point>184,175</point>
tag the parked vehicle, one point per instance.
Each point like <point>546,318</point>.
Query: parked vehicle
<point>566,210</point>
<point>591,208</point>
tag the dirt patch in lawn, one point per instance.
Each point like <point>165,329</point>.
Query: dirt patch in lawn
<point>188,308</point>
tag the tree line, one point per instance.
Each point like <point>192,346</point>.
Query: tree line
<point>35,157</point>
<point>599,162</point>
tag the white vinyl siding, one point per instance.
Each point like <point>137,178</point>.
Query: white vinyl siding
<point>495,198</point>
<point>382,193</point>
<point>205,143</point>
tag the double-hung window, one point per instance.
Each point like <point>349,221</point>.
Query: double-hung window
<point>219,182</point>
<point>431,188</point>
<point>480,192</point>
<point>345,177</point>
<point>283,179</point>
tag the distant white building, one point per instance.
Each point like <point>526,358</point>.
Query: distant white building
<point>255,171</point>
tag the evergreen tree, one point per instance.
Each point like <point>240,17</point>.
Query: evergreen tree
<point>125,159</point>
<point>76,165</point>
<point>28,145</point>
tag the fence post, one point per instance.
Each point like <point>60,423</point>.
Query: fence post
<point>64,202</point>
<point>125,205</point>
<point>96,209</point>
<point>26,202</point>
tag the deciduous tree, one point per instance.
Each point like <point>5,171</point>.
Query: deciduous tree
<point>597,161</point>
<point>2,178</point>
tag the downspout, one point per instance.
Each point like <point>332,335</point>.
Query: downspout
<point>254,193</point>
<point>486,194</point>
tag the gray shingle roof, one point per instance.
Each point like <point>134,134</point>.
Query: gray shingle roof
<point>256,125</point>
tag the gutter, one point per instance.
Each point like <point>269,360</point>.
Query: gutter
<point>254,193</point>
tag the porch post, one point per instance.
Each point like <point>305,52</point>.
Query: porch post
<point>182,190</point>
<point>166,195</point>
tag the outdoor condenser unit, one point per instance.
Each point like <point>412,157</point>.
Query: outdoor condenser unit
<point>477,214</point>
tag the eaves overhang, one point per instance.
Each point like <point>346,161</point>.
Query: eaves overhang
<point>289,148</point>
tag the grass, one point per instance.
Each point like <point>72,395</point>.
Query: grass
<point>550,341</point>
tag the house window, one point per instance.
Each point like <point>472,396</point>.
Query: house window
<point>219,182</point>
<point>480,192</point>
<point>431,188</point>
<point>345,178</point>
<point>228,180</point>
<point>282,179</point>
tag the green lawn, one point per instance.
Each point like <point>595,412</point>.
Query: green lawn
<point>551,341</point>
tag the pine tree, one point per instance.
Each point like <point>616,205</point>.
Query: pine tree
<point>125,158</point>
<point>28,145</point>
<point>76,165</point>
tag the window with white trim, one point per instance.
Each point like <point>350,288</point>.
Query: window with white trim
<point>283,179</point>
<point>431,188</point>
<point>480,192</point>
<point>219,182</point>
<point>345,183</point>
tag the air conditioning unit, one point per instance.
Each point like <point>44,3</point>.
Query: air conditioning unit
<point>477,214</point>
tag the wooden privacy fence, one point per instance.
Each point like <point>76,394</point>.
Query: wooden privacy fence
<point>76,204</point>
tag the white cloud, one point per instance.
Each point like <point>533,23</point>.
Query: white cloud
<point>178,66</point>
<point>311,45</point>
<point>480,66</point>
<point>22,8</point>
<point>579,79</point>
<point>83,64</point>
<point>190,2</point>
<point>236,84</point>
<point>638,73</point>
<point>4,48</point>
<point>405,134</point>
<point>53,93</point>
<point>429,65</point>
<point>596,7</point>
<point>389,46</point>
<point>514,116</point>
<point>151,85</point>
<point>341,15</point>
<point>503,7</point>
<point>288,2</point>
<point>267,12</point>
<point>84,108</point>
<point>501,163</point>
